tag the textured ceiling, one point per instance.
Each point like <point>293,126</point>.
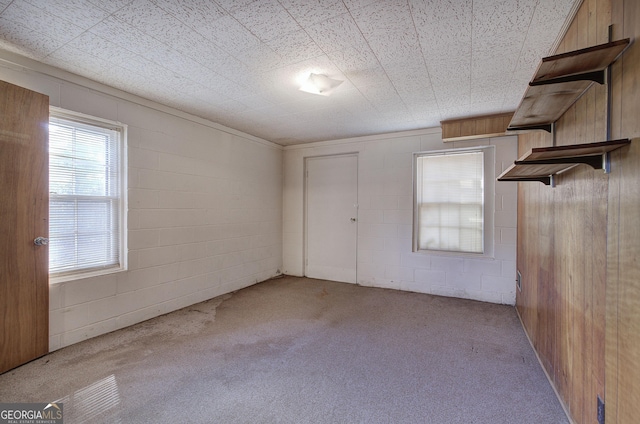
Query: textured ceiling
<point>406,64</point>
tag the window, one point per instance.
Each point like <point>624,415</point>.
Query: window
<point>453,205</point>
<point>86,202</point>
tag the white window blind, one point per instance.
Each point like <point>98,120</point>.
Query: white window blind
<point>450,201</point>
<point>85,196</point>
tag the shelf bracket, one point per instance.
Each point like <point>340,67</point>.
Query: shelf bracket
<point>595,76</point>
<point>546,127</point>
<point>546,180</point>
<point>609,93</point>
<point>606,162</point>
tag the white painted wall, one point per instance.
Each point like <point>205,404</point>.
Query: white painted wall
<point>385,257</point>
<point>205,210</point>
<point>210,212</point>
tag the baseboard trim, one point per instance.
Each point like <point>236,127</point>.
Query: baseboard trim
<point>553,386</point>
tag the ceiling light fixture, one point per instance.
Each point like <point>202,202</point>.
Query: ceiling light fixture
<point>320,84</point>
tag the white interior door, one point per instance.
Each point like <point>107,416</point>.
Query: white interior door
<point>331,213</point>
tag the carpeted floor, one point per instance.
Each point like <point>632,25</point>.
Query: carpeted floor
<point>297,350</point>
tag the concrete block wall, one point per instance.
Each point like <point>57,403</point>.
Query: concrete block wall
<point>204,218</point>
<point>210,211</point>
<point>385,217</point>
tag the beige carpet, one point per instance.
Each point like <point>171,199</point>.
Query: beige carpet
<point>296,350</point>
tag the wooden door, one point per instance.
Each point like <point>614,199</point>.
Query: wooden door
<point>331,211</point>
<point>24,215</point>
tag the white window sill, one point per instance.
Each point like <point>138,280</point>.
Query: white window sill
<point>452,254</point>
<point>83,275</point>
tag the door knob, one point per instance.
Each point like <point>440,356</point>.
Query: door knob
<point>41,241</point>
<point>353,220</point>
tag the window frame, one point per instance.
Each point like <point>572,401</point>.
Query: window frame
<point>77,274</point>
<point>488,152</point>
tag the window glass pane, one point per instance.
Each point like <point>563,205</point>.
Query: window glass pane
<point>84,184</point>
<point>450,201</point>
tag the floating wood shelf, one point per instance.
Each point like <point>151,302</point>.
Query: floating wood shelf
<point>475,127</point>
<point>560,81</point>
<point>542,163</point>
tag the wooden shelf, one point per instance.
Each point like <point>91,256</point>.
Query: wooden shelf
<point>475,127</point>
<point>542,163</point>
<point>560,81</point>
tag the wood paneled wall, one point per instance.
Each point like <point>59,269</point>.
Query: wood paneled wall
<point>579,243</point>
<point>622,372</point>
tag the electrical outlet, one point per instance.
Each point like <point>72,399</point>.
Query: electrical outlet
<point>600,411</point>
